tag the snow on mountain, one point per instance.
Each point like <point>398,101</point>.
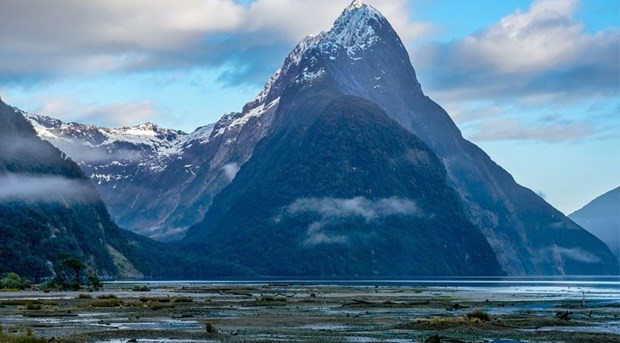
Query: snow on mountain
<point>353,32</point>
<point>146,145</point>
<point>124,162</point>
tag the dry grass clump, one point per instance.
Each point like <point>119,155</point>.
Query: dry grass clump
<point>114,302</point>
<point>479,315</point>
<point>107,296</point>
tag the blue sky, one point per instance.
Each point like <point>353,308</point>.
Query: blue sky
<point>534,83</point>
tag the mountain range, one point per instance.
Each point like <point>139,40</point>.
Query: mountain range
<point>128,166</point>
<point>341,166</point>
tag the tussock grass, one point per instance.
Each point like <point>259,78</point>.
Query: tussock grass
<point>106,303</point>
<point>157,307</point>
<point>479,315</point>
<point>107,296</point>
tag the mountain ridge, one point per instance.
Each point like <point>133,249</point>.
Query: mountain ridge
<point>117,160</point>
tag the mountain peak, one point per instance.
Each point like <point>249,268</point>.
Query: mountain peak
<point>355,4</point>
<point>354,30</point>
<point>355,23</point>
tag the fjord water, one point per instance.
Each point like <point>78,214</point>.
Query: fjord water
<point>606,283</point>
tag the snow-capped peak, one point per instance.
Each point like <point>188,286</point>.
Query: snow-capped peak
<point>353,32</point>
<point>356,4</point>
<point>354,28</point>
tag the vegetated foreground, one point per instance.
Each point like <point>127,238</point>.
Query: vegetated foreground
<point>284,312</point>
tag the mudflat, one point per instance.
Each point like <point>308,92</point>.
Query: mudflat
<point>272,312</point>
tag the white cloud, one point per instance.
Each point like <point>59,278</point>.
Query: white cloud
<point>498,129</point>
<point>44,39</point>
<point>332,209</point>
<point>230,170</point>
<point>357,206</point>
<point>544,54</point>
<point>43,188</point>
<point>89,154</point>
<point>577,254</point>
<point>108,115</point>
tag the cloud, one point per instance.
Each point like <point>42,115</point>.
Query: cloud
<point>332,209</point>
<point>554,131</point>
<point>357,206</point>
<point>43,188</point>
<point>230,170</point>
<point>461,115</point>
<point>43,39</point>
<point>88,154</point>
<point>576,254</point>
<point>544,53</point>
<point>109,115</point>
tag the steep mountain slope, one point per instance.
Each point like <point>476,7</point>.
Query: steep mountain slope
<point>351,194</point>
<point>363,56</point>
<point>123,163</point>
<point>48,207</point>
<point>601,217</point>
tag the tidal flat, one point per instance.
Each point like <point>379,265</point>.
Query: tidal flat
<point>321,312</point>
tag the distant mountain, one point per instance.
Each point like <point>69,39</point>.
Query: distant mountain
<point>362,56</point>
<point>48,207</point>
<point>126,165</point>
<point>601,217</point>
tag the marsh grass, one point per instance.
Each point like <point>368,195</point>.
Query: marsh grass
<point>110,302</point>
<point>138,288</point>
<point>34,307</point>
<point>479,315</point>
<point>24,302</point>
<point>107,296</point>
<point>183,300</point>
<point>157,306</point>
<point>26,338</point>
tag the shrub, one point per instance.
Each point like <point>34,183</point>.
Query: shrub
<point>14,281</point>
<point>156,307</point>
<point>137,288</point>
<point>84,296</point>
<point>93,280</point>
<point>107,296</point>
<point>106,303</point>
<point>183,300</point>
<point>479,315</point>
<point>33,307</point>
<point>210,328</point>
